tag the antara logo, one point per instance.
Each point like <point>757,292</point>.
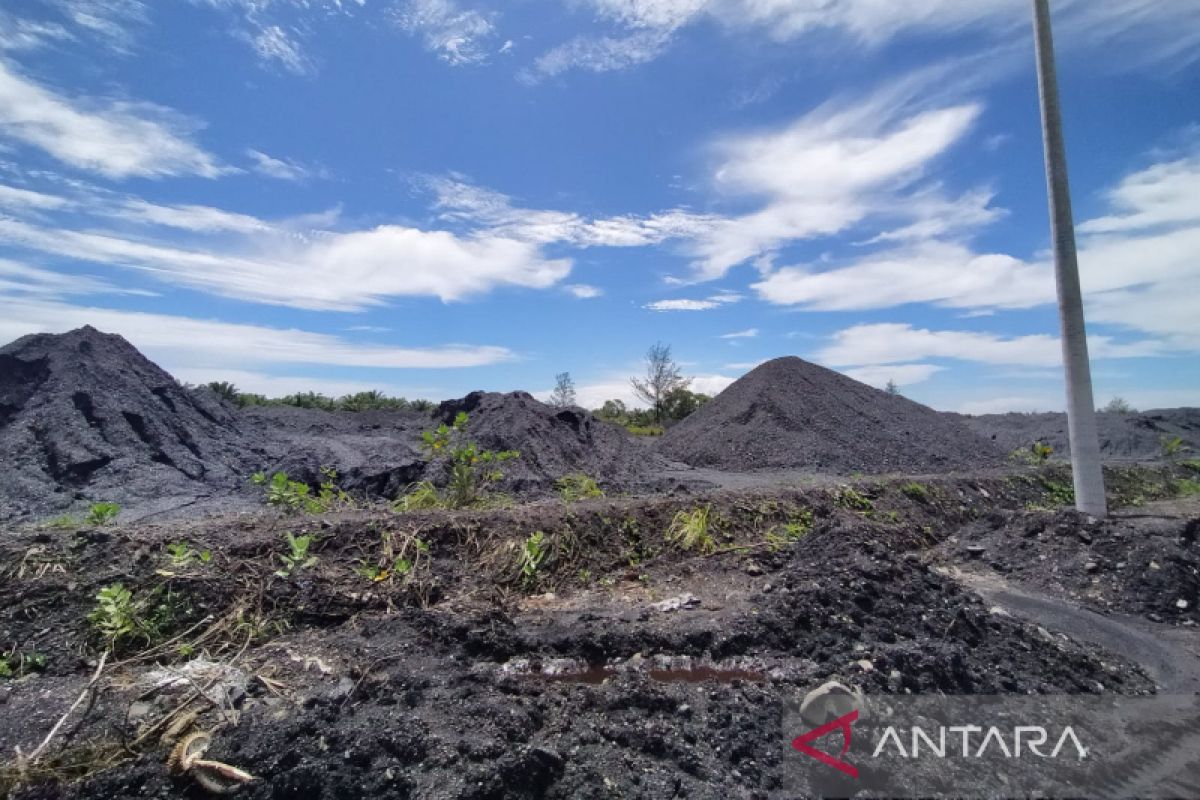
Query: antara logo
<point>803,742</point>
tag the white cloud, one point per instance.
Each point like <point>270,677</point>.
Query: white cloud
<point>583,291</point>
<point>894,343</point>
<point>459,201</point>
<point>1163,194</point>
<point>604,54</point>
<point>1148,31</point>
<point>283,169</point>
<point>751,333</point>
<point>207,344</point>
<point>16,199</point>
<point>116,139</point>
<point>203,219</point>
<point>454,33</point>
<point>593,394</point>
<point>370,265</point>
<point>879,375</point>
<point>17,33</point>
<point>682,305</point>
<point>274,45</point>
<point>23,281</point>
<point>1017,403</point>
<point>111,20</point>
<point>930,272</point>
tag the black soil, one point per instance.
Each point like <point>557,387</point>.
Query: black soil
<point>84,416</point>
<point>1134,437</point>
<point>790,414</point>
<point>438,685</point>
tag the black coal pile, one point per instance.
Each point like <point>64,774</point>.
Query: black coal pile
<point>790,414</point>
<point>84,417</point>
<point>553,442</point>
<point>375,453</point>
<point>1144,436</point>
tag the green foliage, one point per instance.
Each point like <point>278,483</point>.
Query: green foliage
<point>850,498</point>
<point>681,402</point>
<point>399,557</point>
<point>533,552</point>
<point>1172,446</point>
<point>423,495</point>
<point>15,664</point>
<point>1192,464</point>
<point>63,522</point>
<point>690,530</point>
<point>799,525</point>
<point>120,617</point>
<point>578,486</point>
<point>645,430</point>
<point>297,558</point>
<point>1037,453</point>
<point>282,492</point>
<point>1058,493</point>
<point>224,390</point>
<point>1118,405</point>
<point>916,491</point>
<point>182,555</point>
<point>1186,487</point>
<point>102,513</point>
<point>473,471</point>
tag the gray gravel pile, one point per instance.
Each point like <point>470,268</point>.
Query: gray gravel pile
<point>790,414</point>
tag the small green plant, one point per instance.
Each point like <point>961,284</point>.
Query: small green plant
<point>182,555</point>
<point>422,495</point>
<point>63,522</point>
<point>14,664</point>
<point>1187,487</point>
<point>918,492</point>
<point>1041,452</point>
<point>102,513</point>
<point>1058,493</point>
<point>645,430</point>
<point>473,470</point>
<point>533,552</point>
<point>585,576</point>
<point>1172,446</point>
<point>117,617</point>
<point>850,498</point>
<point>285,493</point>
<point>578,486</point>
<point>297,557</point>
<point>690,530</point>
<point>1192,464</point>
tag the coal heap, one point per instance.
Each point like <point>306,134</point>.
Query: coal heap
<point>790,414</point>
<point>552,441</point>
<point>84,415</point>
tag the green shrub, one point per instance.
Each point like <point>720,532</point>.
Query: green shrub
<point>421,496</point>
<point>297,557</point>
<point>533,552</point>
<point>102,513</point>
<point>1172,446</point>
<point>291,495</point>
<point>473,470</point>
<point>690,530</point>
<point>645,430</point>
<point>578,486</point>
<point>120,617</point>
<point>850,498</point>
<point>916,491</point>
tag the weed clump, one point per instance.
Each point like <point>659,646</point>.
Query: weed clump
<point>918,492</point>
<point>690,530</point>
<point>473,471</point>
<point>851,499</point>
<point>578,486</point>
<point>297,557</point>
<point>283,492</point>
<point>102,513</point>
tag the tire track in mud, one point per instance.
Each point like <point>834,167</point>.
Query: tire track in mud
<point>1170,656</point>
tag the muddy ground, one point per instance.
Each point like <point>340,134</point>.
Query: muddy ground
<point>620,663</point>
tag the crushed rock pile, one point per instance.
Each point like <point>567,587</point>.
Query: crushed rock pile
<point>1128,437</point>
<point>85,416</point>
<point>790,414</point>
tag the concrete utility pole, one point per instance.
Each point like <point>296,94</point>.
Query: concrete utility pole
<point>1081,404</point>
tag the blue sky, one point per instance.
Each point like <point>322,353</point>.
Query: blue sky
<point>434,196</point>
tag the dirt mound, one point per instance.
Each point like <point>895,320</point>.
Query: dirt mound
<point>84,416</point>
<point>552,441</point>
<point>1134,437</point>
<point>789,413</point>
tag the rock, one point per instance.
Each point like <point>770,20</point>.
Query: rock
<point>754,569</point>
<point>683,601</point>
<point>976,550</point>
<point>828,702</point>
<point>1181,604</point>
<point>1091,566</point>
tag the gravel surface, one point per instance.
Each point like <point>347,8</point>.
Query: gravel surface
<point>790,414</point>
